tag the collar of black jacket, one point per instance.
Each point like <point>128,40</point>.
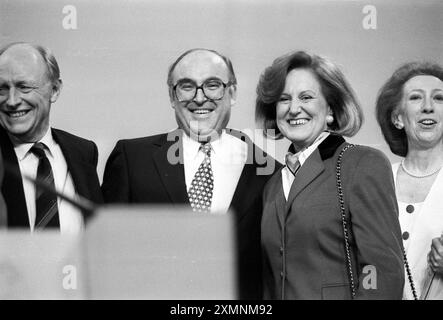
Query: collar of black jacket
<point>328,147</point>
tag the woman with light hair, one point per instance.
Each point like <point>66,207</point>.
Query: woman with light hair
<point>330,227</point>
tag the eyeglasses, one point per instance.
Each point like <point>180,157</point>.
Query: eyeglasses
<point>213,89</point>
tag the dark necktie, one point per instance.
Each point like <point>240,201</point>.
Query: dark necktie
<point>200,192</point>
<point>46,202</point>
<point>292,162</point>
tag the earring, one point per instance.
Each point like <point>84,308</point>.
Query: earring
<point>329,119</point>
<point>398,125</point>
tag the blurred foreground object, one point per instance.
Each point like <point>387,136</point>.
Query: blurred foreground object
<point>135,252</point>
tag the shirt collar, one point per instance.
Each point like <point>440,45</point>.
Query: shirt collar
<point>22,149</point>
<point>192,147</point>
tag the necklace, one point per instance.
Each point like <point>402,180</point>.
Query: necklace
<point>417,175</point>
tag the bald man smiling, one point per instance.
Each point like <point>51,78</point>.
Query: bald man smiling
<point>202,163</point>
<point>29,86</point>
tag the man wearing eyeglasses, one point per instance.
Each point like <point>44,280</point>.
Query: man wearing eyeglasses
<point>29,84</point>
<point>202,163</point>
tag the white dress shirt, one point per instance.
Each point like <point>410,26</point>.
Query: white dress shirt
<point>287,176</point>
<point>71,219</point>
<point>228,157</point>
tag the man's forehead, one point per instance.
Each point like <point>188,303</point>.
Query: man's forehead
<point>200,65</point>
<point>22,59</point>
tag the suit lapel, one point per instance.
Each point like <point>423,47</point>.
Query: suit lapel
<point>79,169</point>
<point>313,166</point>
<point>12,187</point>
<point>248,183</point>
<point>310,170</point>
<point>172,174</point>
<point>240,202</point>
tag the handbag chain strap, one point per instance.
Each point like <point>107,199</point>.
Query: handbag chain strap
<point>343,220</point>
<point>346,231</point>
<point>408,271</point>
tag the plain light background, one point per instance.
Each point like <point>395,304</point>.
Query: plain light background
<point>114,64</point>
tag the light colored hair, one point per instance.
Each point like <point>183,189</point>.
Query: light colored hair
<point>46,54</point>
<point>348,115</point>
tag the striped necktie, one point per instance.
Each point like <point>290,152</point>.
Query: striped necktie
<point>46,202</point>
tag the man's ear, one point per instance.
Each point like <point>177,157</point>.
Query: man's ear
<point>172,99</point>
<point>233,94</point>
<point>56,89</point>
<point>171,96</point>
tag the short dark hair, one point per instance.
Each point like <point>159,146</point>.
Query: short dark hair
<point>49,59</point>
<point>228,62</point>
<point>348,116</point>
<point>390,96</point>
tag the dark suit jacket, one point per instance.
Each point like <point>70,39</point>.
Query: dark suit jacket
<point>304,255</point>
<point>3,210</point>
<point>81,156</point>
<point>138,171</point>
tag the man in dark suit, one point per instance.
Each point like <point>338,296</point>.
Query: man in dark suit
<point>29,84</point>
<point>3,210</point>
<point>169,167</point>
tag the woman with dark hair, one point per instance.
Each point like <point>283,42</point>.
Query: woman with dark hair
<point>330,227</point>
<point>410,114</point>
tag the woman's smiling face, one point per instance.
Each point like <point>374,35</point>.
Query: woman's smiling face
<point>302,108</point>
<point>420,111</point>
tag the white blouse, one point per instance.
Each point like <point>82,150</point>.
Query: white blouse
<point>420,223</point>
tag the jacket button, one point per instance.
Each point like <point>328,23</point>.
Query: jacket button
<point>405,235</point>
<point>410,208</point>
<point>282,250</point>
<point>282,274</point>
